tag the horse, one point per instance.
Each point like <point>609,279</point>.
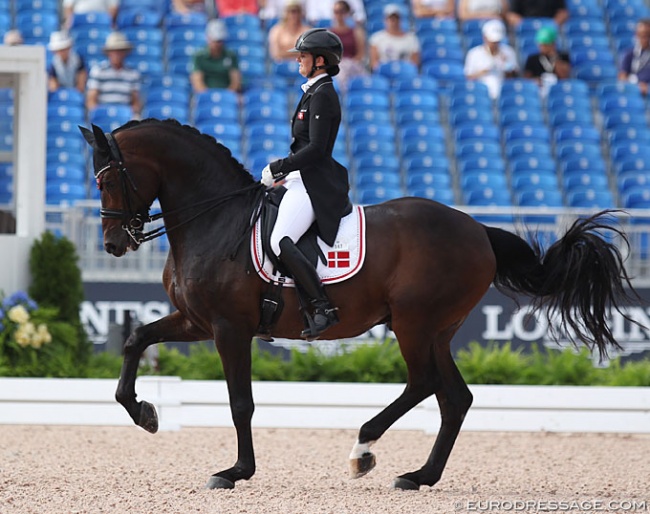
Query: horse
<point>427,266</point>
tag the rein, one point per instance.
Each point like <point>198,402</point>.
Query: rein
<point>133,221</point>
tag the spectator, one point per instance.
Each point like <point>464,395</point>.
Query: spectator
<point>392,43</point>
<point>492,61</point>
<point>215,66</point>
<point>482,9</point>
<point>284,34</point>
<point>635,64</point>
<point>520,9</point>
<point>549,65</point>
<point>354,43</point>
<point>72,7</point>
<point>318,10</point>
<point>68,69</point>
<point>112,81</point>
<point>433,8</point>
<point>13,38</point>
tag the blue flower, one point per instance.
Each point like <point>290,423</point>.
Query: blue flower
<point>19,298</point>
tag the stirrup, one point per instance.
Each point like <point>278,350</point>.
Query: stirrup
<point>327,319</point>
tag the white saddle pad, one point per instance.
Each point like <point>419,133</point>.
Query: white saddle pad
<point>344,259</point>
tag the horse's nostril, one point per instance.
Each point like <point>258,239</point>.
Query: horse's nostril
<point>109,247</point>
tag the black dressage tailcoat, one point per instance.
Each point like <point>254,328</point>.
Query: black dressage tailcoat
<point>314,127</point>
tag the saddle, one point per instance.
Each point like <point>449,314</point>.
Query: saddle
<point>271,269</point>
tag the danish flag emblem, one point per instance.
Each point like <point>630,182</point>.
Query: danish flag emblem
<point>338,259</point>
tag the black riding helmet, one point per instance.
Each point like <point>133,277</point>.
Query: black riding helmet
<point>321,42</point>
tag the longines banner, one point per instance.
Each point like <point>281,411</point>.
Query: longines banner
<point>496,318</point>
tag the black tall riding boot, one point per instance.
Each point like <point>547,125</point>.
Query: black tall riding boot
<point>304,273</point>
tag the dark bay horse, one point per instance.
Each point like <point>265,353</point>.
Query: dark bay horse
<point>427,265</point>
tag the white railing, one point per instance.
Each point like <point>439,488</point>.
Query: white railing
<point>82,225</point>
<point>203,403</point>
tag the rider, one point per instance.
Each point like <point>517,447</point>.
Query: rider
<point>317,186</point>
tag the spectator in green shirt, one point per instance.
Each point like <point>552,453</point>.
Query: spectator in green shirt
<point>215,67</point>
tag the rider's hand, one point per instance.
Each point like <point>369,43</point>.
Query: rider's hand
<point>267,176</point>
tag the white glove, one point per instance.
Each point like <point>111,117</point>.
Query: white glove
<point>267,176</point>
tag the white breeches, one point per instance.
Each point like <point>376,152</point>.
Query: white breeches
<point>295,214</point>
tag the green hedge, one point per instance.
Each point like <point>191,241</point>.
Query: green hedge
<point>382,363</point>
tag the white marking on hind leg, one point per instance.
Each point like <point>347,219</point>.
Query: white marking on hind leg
<point>361,449</point>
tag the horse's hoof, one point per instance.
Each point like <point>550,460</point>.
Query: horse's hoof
<point>363,465</point>
<point>148,418</point>
<point>217,482</point>
<point>405,484</point>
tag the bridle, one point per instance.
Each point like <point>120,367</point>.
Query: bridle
<point>133,221</point>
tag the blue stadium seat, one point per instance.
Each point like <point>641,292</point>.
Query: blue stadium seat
<point>285,69</point>
<point>72,142</point>
<point>114,114</point>
<point>574,147</point>
<point>531,163</point>
<point>583,133</point>
<point>629,165</point>
<point>377,194</point>
<point>463,114</point>
<point>385,132</point>
<point>413,147</point>
<point>440,194</point>
<point>539,197</point>
<point>411,131</point>
<point>417,99</point>
<point>485,132</point>
<point>415,83</point>
<point>590,198</point>
<point>168,95</point>
<point>68,96</point>
<point>209,113</point>
<point>195,20</point>
<point>571,116</point>
<point>583,180</point>
<point>447,73</point>
<point>368,115</point>
<point>526,132</point>
<point>364,145</point>
<point>421,177</point>
<point>634,179</point>
<point>595,73</point>
<point>534,180</point>
<point>636,198</point>
<point>426,163</point>
<point>65,173</point>
<point>628,149</point>
<point>138,18</point>
<point>408,115</point>
<point>477,148</point>
<point>481,163</point>
<point>485,196</point>
<point>221,129</point>
<point>383,162</point>
<point>64,193</point>
<point>638,133</point>
<point>559,102</point>
<point>518,115</point>
<point>363,99</point>
<point>374,83</point>
<point>71,112</point>
<point>578,164</point>
<point>374,177</point>
<point>531,149</point>
<point>397,69</point>
<point>483,178</point>
<point>165,110</point>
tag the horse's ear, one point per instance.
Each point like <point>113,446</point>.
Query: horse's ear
<point>100,138</point>
<point>88,135</point>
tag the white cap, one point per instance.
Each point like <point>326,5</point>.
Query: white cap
<point>216,30</point>
<point>117,41</point>
<point>391,9</point>
<point>59,40</point>
<point>494,31</point>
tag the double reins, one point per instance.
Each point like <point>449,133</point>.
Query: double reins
<point>134,221</point>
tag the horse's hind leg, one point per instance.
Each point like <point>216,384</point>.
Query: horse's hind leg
<point>170,328</point>
<point>423,381</point>
<point>454,399</point>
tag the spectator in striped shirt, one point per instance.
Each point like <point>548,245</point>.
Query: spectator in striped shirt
<point>112,82</point>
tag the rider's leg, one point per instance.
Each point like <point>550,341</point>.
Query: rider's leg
<point>295,216</point>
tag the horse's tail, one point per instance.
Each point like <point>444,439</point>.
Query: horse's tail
<point>580,277</point>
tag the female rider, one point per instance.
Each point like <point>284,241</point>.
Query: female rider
<point>317,186</point>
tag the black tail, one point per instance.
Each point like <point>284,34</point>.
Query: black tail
<point>580,278</point>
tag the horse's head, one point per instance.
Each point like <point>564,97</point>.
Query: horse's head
<point>124,201</point>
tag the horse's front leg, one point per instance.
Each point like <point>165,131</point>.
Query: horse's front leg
<point>174,327</point>
<point>235,352</point>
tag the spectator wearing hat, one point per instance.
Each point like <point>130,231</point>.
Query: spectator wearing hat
<point>493,61</point>
<point>393,43</point>
<point>482,9</point>
<point>111,81</point>
<point>72,7</point>
<point>635,63</point>
<point>13,38</point>
<point>215,66</point>
<point>520,9</point>
<point>67,69</point>
<point>549,65</point>
<point>284,34</point>
<point>319,10</point>
<point>433,8</point>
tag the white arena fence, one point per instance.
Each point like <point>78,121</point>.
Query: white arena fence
<point>82,225</point>
<point>196,403</point>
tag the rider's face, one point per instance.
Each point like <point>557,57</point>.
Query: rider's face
<point>306,62</point>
